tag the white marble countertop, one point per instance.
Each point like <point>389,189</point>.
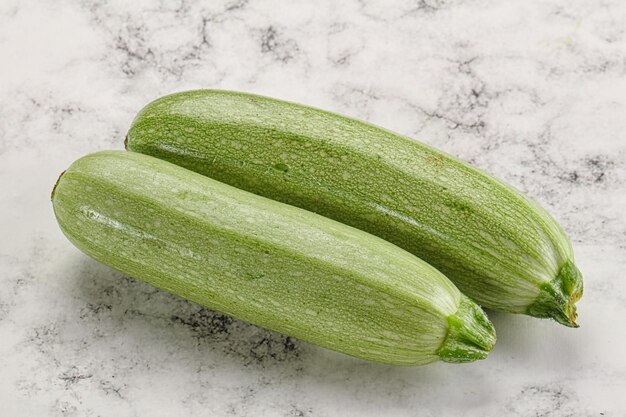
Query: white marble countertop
<point>533,91</point>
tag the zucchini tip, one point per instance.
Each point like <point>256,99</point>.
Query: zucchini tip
<point>55,185</point>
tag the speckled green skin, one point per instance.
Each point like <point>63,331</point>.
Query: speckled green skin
<point>498,246</point>
<point>265,262</point>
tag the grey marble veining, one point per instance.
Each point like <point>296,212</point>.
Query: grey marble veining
<point>534,92</point>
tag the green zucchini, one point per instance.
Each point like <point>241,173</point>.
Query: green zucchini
<point>497,245</point>
<point>266,262</point>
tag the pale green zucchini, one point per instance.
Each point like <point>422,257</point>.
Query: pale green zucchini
<point>266,262</point>
<point>498,246</point>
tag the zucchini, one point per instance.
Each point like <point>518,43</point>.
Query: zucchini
<point>267,263</point>
<point>497,245</point>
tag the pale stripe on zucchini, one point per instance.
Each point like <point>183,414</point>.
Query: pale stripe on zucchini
<point>266,262</point>
<point>497,245</point>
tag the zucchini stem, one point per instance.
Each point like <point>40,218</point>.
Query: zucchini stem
<point>470,334</point>
<point>557,299</point>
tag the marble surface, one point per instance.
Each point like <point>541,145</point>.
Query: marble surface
<point>533,91</point>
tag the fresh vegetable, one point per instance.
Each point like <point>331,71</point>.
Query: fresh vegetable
<point>265,262</point>
<point>497,245</point>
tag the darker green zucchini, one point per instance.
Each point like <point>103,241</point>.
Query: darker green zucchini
<point>497,245</point>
